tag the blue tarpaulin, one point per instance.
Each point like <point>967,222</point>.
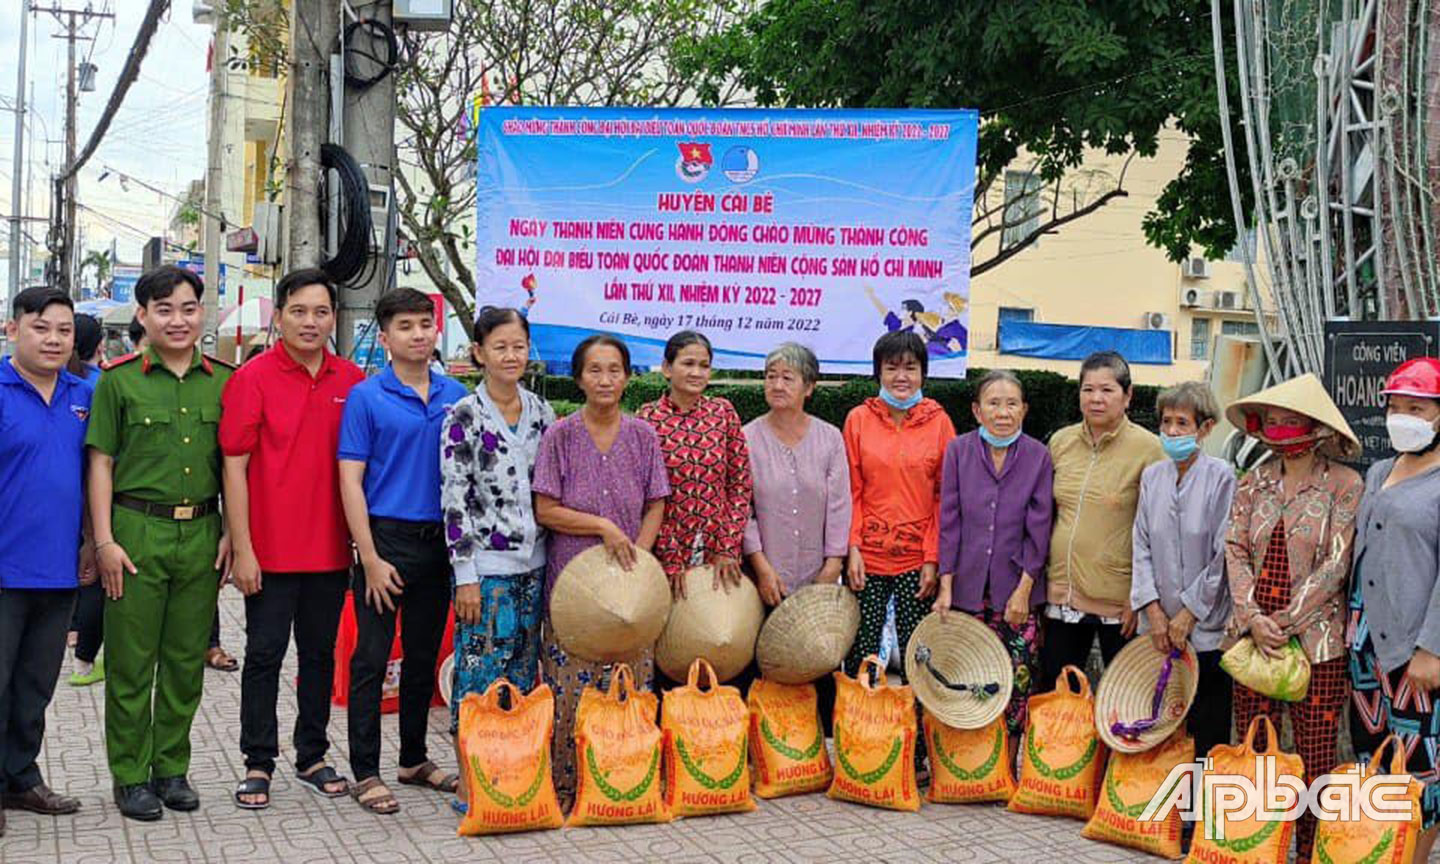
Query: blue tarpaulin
<point>1076,342</point>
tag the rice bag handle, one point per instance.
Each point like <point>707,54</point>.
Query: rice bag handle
<point>696,668</point>
<point>1397,756</point>
<point>871,665</point>
<point>1078,674</point>
<point>980,691</point>
<point>622,682</point>
<point>492,695</point>
<point>1272,740</point>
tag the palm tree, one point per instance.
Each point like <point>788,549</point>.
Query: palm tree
<point>101,262</point>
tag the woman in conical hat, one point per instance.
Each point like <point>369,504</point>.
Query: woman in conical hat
<point>1292,524</point>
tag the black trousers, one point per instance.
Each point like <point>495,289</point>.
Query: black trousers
<point>33,624</point>
<point>89,623</point>
<point>310,603</point>
<point>417,550</point>
<point>1070,645</point>
<point>1210,716</point>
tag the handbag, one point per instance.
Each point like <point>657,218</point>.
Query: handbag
<point>1286,678</point>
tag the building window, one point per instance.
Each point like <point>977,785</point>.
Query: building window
<point>1016,313</point>
<point>1022,207</point>
<point>1200,338</point>
<point>1239,328</point>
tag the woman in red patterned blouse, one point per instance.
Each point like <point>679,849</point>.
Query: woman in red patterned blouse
<point>709,466</point>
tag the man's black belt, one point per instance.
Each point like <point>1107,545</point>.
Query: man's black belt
<point>173,512</point>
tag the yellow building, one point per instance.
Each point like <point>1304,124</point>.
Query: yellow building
<point>1099,272</point>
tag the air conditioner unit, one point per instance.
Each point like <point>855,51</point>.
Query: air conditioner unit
<point>1189,297</point>
<point>1195,268</point>
<point>1155,321</point>
<point>1226,300</point>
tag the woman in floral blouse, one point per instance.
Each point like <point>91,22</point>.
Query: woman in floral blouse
<point>488,446</point>
<point>709,466</point>
<point>1292,525</point>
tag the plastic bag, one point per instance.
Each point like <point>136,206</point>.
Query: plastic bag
<point>969,766</point>
<point>705,747</point>
<point>1367,839</point>
<point>1131,781</point>
<point>787,743</point>
<point>506,757</point>
<point>874,741</point>
<point>1251,840</point>
<point>1286,678</point>
<point>618,751</point>
<point>1062,758</point>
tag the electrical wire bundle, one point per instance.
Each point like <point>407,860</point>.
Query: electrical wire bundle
<point>352,252</point>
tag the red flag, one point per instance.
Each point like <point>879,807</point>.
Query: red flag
<point>695,151</point>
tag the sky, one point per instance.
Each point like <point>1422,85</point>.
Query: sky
<point>158,136</point>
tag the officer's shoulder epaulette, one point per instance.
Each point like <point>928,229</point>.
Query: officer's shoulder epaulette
<point>220,362</point>
<point>120,361</point>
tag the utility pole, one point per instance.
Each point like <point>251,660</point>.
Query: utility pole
<point>214,177</point>
<point>73,20</point>
<point>369,136</point>
<point>17,211</point>
<point>314,28</point>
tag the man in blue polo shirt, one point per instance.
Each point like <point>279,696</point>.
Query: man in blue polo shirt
<point>390,485</point>
<point>43,412</point>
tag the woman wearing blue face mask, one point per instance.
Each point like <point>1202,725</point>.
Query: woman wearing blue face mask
<point>996,514</point>
<point>894,443</point>
<point>1178,588</point>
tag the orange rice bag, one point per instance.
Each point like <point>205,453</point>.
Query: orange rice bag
<point>1367,839</point>
<point>1252,840</point>
<point>705,733</point>
<point>1131,781</point>
<point>506,757</point>
<point>1062,756</point>
<point>874,741</point>
<point>787,742</point>
<point>617,750</point>
<point>969,766</point>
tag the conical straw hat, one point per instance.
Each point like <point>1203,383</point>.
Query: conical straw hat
<point>808,634</point>
<point>445,677</point>
<point>1127,695</point>
<point>1303,395</point>
<point>718,624</point>
<point>959,670</point>
<point>602,613</point>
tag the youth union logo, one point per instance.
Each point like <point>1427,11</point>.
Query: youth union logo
<point>740,164</point>
<point>694,162</point>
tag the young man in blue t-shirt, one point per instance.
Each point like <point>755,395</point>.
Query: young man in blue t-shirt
<point>390,485</point>
<point>43,414</point>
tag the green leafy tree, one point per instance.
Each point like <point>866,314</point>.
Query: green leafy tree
<point>1050,78</point>
<point>99,262</point>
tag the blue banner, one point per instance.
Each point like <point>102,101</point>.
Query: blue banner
<point>753,226</point>
<point>1072,342</point>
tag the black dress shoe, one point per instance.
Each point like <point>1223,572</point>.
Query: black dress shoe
<point>175,793</point>
<point>138,802</point>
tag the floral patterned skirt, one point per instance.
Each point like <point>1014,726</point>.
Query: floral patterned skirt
<point>568,677</point>
<point>506,641</point>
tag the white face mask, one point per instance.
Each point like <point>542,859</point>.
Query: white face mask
<point>1408,433</point>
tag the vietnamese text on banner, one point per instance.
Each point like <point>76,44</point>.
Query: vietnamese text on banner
<point>752,226</point>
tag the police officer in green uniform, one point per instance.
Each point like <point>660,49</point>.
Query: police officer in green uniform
<point>154,491</point>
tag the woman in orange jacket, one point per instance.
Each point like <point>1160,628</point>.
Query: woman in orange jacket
<point>896,444</point>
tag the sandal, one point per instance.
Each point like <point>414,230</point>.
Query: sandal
<point>253,786</point>
<point>382,803</point>
<point>424,775</point>
<point>323,776</point>
<point>218,658</point>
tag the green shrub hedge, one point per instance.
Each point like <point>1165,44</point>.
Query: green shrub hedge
<point>1054,399</point>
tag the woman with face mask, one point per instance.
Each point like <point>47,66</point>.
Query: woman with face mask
<point>1177,587</point>
<point>996,510</point>
<point>1288,558</point>
<point>1395,602</point>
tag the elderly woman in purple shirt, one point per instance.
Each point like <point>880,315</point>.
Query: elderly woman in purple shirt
<point>996,509</point>
<point>799,527</point>
<point>599,478</point>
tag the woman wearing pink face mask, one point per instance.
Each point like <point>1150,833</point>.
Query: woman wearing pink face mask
<point>1292,524</point>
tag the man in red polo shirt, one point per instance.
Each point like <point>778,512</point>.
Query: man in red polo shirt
<point>279,429</point>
